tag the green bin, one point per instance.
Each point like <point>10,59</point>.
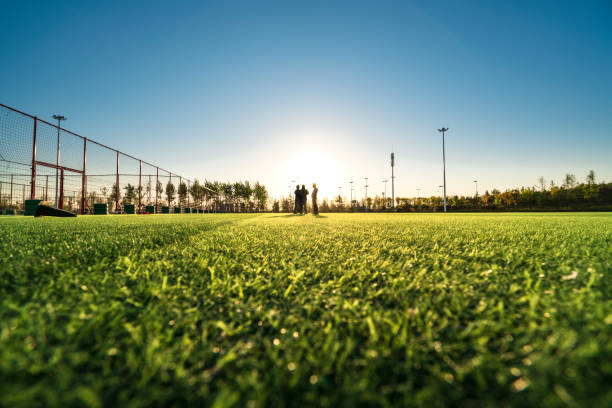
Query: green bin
<point>129,209</point>
<point>30,207</point>
<point>165,210</point>
<point>177,210</point>
<point>150,209</point>
<point>100,208</point>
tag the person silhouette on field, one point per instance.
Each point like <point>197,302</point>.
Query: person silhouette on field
<point>313,198</point>
<point>304,194</point>
<point>297,203</point>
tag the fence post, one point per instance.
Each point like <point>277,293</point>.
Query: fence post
<point>47,188</point>
<point>11,195</point>
<point>188,185</point>
<point>178,189</point>
<point>84,177</point>
<point>61,192</point>
<point>117,184</point>
<point>140,187</point>
<point>156,187</point>
<point>33,181</point>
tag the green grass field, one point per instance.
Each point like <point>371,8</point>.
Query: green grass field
<point>283,310</point>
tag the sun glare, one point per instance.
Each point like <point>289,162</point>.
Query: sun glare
<point>312,166</point>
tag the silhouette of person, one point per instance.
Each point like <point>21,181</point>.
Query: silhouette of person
<point>304,201</point>
<point>298,200</point>
<point>313,198</point>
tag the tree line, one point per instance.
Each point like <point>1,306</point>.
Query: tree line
<point>570,195</point>
<point>240,196</point>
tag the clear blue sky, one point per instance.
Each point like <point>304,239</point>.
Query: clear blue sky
<point>267,90</point>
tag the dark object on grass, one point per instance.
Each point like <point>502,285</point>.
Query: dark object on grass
<point>30,207</point>
<point>47,210</point>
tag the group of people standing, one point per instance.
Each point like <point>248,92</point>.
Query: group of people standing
<point>301,199</point>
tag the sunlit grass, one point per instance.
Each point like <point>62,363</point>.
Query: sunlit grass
<point>270,310</point>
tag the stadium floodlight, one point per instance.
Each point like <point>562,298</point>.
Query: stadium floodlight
<point>351,193</point>
<point>442,130</point>
<point>476,182</point>
<point>59,118</point>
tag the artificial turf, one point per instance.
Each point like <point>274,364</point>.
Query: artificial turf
<point>283,310</point>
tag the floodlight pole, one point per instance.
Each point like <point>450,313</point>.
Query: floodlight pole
<point>392,181</point>
<point>351,193</point>
<point>59,118</point>
<point>385,194</point>
<point>442,130</point>
<point>476,182</point>
<point>366,193</point>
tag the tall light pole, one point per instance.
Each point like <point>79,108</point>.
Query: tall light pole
<point>351,193</point>
<point>418,192</point>
<point>385,194</point>
<point>59,118</point>
<point>444,163</point>
<point>392,181</point>
<point>476,182</point>
<point>366,193</point>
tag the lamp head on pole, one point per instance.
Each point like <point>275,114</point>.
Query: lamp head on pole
<point>443,130</point>
<point>59,117</point>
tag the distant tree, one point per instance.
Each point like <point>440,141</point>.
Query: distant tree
<point>569,181</point>
<point>590,178</point>
<point>542,183</point>
<point>286,205</point>
<point>275,206</point>
<point>113,199</point>
<point>228,196</point>
<point>182,194</point>
<point>170,190</point>
<point>159,191</point>
<point>324,207</point>
<point>261,195</point>
<point>196,192</point>
<point>130,194</point>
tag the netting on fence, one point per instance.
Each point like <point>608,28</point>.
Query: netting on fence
<point>39,160</point>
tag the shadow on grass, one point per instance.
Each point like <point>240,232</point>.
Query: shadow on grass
<point>296,215</point>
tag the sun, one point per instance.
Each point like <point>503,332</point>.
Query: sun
<point>307,166</point>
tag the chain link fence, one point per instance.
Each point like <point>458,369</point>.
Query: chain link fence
<point>39,160</point>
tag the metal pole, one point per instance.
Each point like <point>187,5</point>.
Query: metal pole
<point>33,181</point>
<point>61,195</point>
<point>351,193</point>
<point>385,194</point>
<point>156,187</point>
<point>392,180</point>
<point>366,194</point>
<point>443,130</point>
<point>117,184</point>
<point>140,187</point>
<point>188,185</point>
<point>11,195</point>
<point>476,182</point>
<point>57,162</point>
<point>84,178</point>
<point>46,188</point>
